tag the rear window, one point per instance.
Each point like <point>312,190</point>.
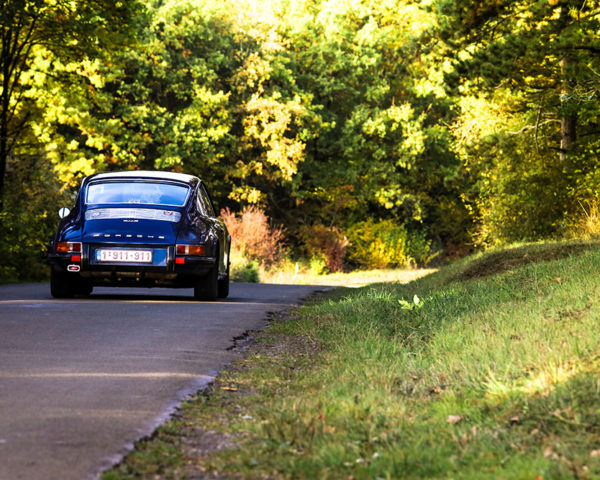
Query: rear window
<point>138,193</point>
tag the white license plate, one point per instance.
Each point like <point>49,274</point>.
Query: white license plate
<point>124,256</point>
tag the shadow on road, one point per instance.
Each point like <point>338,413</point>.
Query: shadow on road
<point>240,293</point>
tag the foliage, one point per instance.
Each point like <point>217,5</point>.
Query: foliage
<point>387,244</point>
<point>252,236</point>
<point>28,221</point>
<point>318,265</point>
<point>587,225</point>
<point>242,269</point>
<point>526,78</point>
<point>67,31</point>
<point>379,150</point>
<point>325,244</point>
<point>474,123</point>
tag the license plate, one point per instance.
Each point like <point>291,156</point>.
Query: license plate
<point>124,256</point>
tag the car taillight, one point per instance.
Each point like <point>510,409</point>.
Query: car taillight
<point>68,247</point>
<point>190,249</point>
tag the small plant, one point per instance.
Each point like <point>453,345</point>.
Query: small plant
<point>247,273</point>
<point>587,224</point>
<point>416,304</point>
<point>243,269</point>
<point>318,265</point>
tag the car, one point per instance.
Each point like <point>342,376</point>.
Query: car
<point>140,229</point>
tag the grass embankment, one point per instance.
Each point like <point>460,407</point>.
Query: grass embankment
<point>493,373</point>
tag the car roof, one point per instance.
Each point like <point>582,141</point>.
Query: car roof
<point>145,174</point>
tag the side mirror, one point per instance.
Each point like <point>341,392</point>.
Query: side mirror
<point>63,212</point>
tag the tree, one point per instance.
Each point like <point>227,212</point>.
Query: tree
<point>379,148</point>
<point>525,77</point>
<point>546,52</point>
<point>67,29</point>
<point>206,91</point>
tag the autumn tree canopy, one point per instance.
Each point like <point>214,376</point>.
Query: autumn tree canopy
<point>446,124</point>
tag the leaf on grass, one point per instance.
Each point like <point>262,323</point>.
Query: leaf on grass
<point>452,419</point>
<point>595,454</point>
<point>549,453</point>
<point>328,429</point>
<point>405,305</point>
<point>229,388</point>
<point>437,389</point>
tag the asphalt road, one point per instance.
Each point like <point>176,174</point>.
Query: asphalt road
<point>82,379</point>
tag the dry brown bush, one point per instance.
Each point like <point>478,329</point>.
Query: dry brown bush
<point>253,237</point>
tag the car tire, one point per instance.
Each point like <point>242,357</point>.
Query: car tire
<point>224,285</point>
<point>61,285</point>
<point>85,288</point>
<point>207,287</point>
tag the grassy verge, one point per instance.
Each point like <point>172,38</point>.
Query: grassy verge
<point>489,368</point>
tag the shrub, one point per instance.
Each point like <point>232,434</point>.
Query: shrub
<point>387,244</point>
<point>327,243</point>
<point>243,269</point>
<point>585,224</point>
<point>252,237</point>
<point>28,220</point>
<point>254,243</point>
<point>318,265</point>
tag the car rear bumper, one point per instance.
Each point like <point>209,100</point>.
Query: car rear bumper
<point>165,268</point>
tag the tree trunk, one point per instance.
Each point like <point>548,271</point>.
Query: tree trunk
<point>6,63</point>
<point>568,119</point>
<point>3,158</point>
<point>4,106</point>
<point>568,134</point>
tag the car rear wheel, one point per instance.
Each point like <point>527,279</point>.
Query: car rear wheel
<point>67,285</point>
<point>85,288</point>
<point>61,286</point>
<point>224,285</point>
<point>207,287</point>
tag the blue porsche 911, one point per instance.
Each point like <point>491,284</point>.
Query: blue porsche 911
<point>146,229</point>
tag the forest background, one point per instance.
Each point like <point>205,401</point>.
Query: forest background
<point>369,133</point>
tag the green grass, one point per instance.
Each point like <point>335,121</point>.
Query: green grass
<point>493,373</point>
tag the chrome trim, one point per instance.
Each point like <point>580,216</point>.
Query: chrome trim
<point>133,213</point>
<point>190,188</point>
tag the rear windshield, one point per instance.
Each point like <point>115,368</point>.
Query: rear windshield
<point>139,193</point>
